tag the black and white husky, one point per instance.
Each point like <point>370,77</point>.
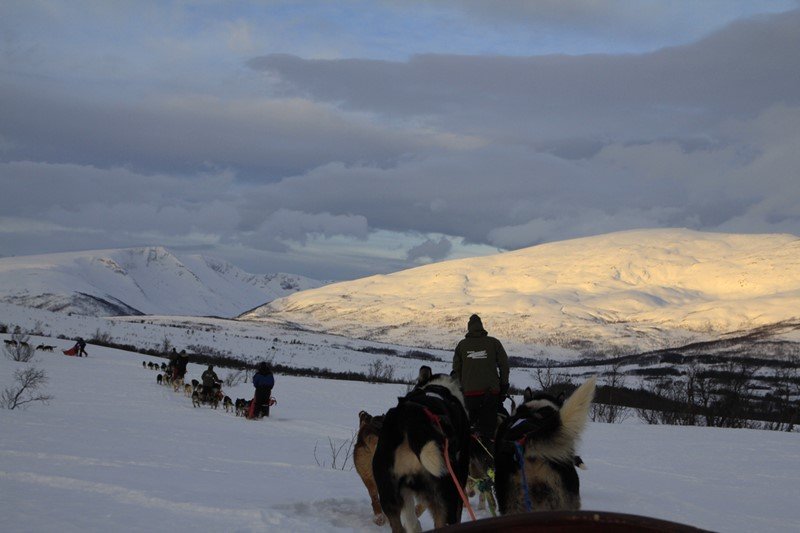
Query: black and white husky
<point>409,463</point>
<point>546,431</point>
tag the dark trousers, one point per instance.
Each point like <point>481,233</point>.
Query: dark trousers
<point>483,415</point>
<point>262,401</point>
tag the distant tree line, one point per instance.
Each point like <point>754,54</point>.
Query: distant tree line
<point>732,395</point>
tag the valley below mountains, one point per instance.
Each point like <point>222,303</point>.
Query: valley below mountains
<point>599,297</point>
<point>680,326</point>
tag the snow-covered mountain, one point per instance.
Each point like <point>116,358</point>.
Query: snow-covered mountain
<point>625,292</point>
<point>132,281</point>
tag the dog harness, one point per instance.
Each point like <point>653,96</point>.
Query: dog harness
<point>434,395</point>
<point>517,434</point>
<point>436,420</point>
<point>519,451</point>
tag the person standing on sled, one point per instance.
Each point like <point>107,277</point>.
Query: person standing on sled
<point>210,378</point>
<point>81,346</point>
<point>481,365</point>
<point>172,364</point>
<point>179,370</point>
<point>263,381</point>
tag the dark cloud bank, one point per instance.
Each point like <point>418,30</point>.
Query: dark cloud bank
<point>501,151</point>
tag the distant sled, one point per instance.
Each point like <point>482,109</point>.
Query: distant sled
<point>251,409</point>
<point>71,351</point>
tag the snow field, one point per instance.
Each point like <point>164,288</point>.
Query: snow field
<point>114,451</point>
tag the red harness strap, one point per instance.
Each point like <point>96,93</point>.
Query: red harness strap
<point>433,417</point>
<point>436,419</point>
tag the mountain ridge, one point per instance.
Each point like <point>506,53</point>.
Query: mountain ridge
<point>136,281</point>
<point>624,291</point>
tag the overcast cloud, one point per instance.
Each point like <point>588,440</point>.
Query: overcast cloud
<point>339,141</point>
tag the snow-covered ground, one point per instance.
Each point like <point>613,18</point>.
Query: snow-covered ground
<point>240,340</point>
<point>114,451</point>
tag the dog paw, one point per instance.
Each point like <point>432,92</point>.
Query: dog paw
<point>379,519</point>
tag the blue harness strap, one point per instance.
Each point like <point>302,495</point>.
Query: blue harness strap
<point>520,452</point>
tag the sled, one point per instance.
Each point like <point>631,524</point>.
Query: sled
<point>71,351</point>
<point>251,411</point>
<point>571,522</point>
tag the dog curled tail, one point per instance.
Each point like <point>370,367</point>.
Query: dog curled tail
<point>574,414</point>
<point>432,459</point>
<point>427,443</point>
<point>575,411</point>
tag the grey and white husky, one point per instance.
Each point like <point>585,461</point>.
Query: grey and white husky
<point>545,430</point>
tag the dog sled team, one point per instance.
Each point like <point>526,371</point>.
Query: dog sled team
<point>451,436</point>
<point>78,349</point>
<point>41,347</point>
<point>208,390</point>
<point>448,438</point>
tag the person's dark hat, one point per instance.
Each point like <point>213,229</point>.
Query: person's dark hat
<point>262,366</point>
<point>475,322</point>
<point>475,326</point>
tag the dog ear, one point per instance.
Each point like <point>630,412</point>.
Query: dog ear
<point>364,417</point>
<point>425,374</point>
<point>527,395</point>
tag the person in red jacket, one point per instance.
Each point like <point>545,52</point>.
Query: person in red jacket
<point>480,364</point>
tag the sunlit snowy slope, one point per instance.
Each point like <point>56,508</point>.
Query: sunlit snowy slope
<point>139,281</point>
<point>631,290</point>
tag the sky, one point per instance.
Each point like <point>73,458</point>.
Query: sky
<point>343,139</point>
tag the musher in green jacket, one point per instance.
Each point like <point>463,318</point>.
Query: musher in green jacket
<point>481,365</point>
